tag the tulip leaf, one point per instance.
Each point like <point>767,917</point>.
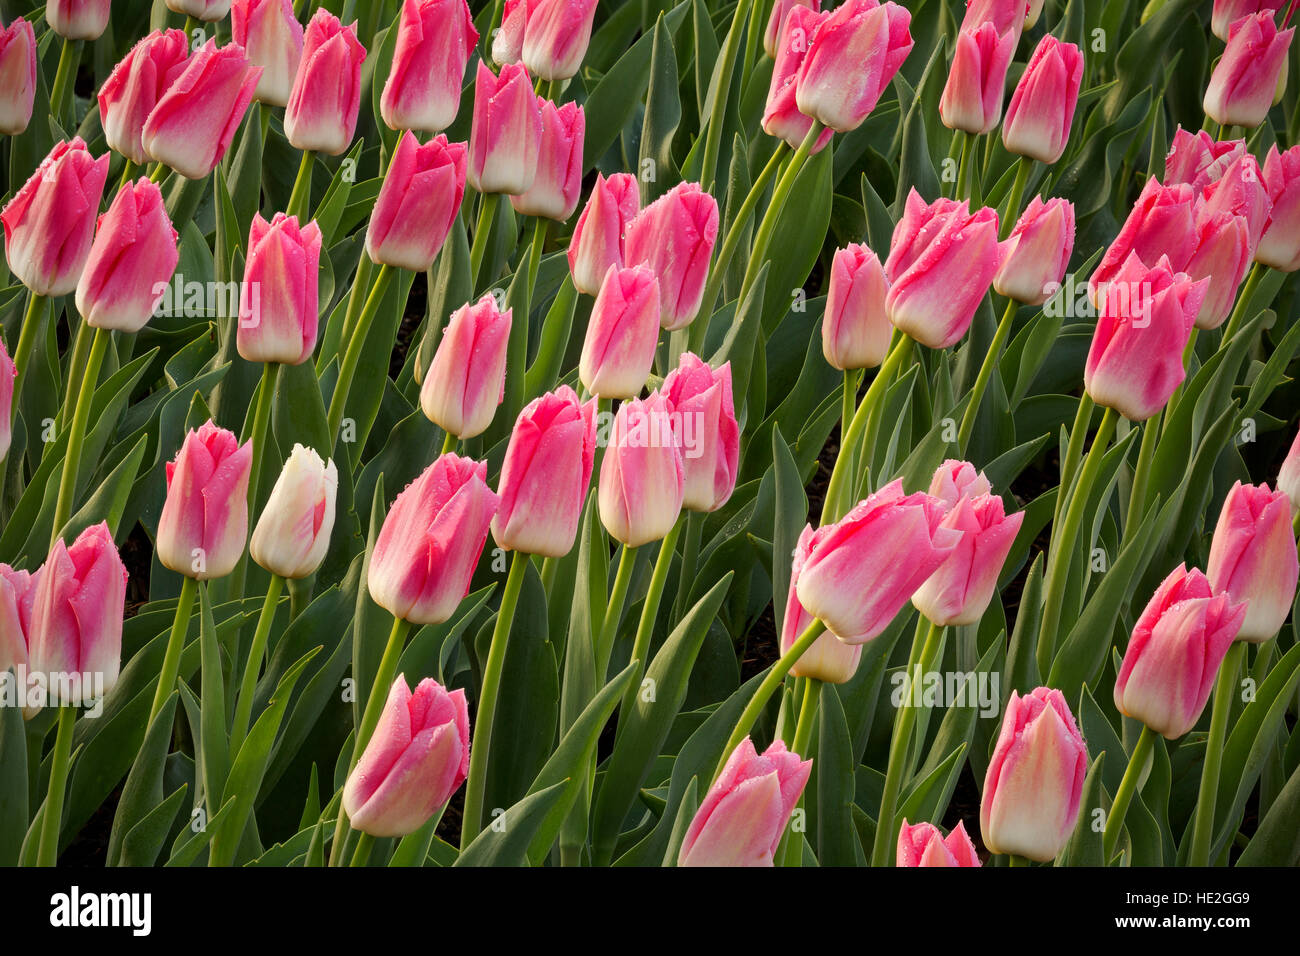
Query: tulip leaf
<point>1085,846</point>
<point>145,840</point>
<point>830,798</point>
<point>1276,842</point>
<point>556,327</point>
<point>663,112</point>
<point>13,780</point>
<point>143,791</point>
<point>506,840</point>
<point>929,799</point>
<point>686,810</point>
<point>213,753</point>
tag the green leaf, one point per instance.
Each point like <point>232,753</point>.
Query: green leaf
<point>834,765</point>
<point>663,112</point>
<point>143,791</point>
<point>1085,846</point>
<point>506,841</point>
<point>13,781</point>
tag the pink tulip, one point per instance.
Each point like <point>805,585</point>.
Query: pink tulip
<point>1161,224</point>
<point>960,591</point>
<point>322,111</point>
<point>855,327</point>
<point>1241,191</point>
<point>1042,107</point>
<point>923,844</point>
<point>1178,643</point>
<point>131,261</point>
<point>209,11</point>
<point>1006,15</point>
<point>17,593</point>
<point>829,659</point>
<point>279,297</point>
<point>17,76</point>
<point>597,241</point>
<point>508,42</point>
<point>136,85</point>
<point>1034,782</point>
<point>418,203</point>
<point>852,57</point>
<point>292,535</point>
<point>204,521</point>
<point>556,37</point>
<point>417,758</point>
<point>272,37</point>
<point>674,235</point>
<point>917,228</point>
<point>744,814</point>
<point>1035,11</point>
<point>1253,558</point>
<point>781,116</point>
<point>704,418</point>
<point>1288,476</point>
<point>7,375</point>
<point>954,480</point>
<point>506,134</point>
<point>434,41</point>
<point>618,349</point>
<point>78,19</point>
<point>1198,159</point>
<point>422,564</point>
<point>861,571</point>
<point>1036,254</point>
<point>1245,80</point>
<point>467,377</point>
<point>776,23</point>
<point>76,622</point>
<point>545,475</point>
<point>192,125</point>
<point>1228,12</point>
<point>972,97</point>
<point>1222,257</point>
<point>642,479</point>
<point>50,221</point>
<point>1146,318</point>
<point>554,192</point>
<point>1279,247</point>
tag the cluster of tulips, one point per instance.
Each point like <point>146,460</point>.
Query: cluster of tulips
<point>216,618</point>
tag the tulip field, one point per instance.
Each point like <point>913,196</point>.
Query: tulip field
<point>709,433</point>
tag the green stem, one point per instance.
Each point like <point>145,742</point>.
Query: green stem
<point>1243,303</point>
<point>1073,455</point>
<point>261,428</point>
<point>1015,859</point>
<point>649,613</point>
<point>690,557</point>
<point>32,329</point>
<point>352,357</point>
<point>253,666</point>
<point>171,664</point>
<point>487,209</point>
<point>129,172</point>
<point>767,227</point>
<point>1124,795</point>
<point>1141,477</point>
<point>1225,685</point>
<point>365,844</point>
<point>614,612</point>
<point>158,173</point>
<point>300,198</point>
<point>1012,212</point>
<point>803,730</point>
<point>61,94</point>
<point>77,435</point>
<point>963,170</point>
<point>721,93</point>
<point>448,444</point>
<point>76,362</point>
<point>991,359</point>
<point>52,821</point>
<point>356,299</point>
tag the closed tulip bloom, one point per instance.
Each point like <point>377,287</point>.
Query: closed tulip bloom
<point>776,23</point>
<point>1175,651</point>
<point>704,418</point>
<point>597,241</point>
<point>641,477</point>
<point>1253,558</point>
<point>466,379</point>
<point>852,58</point>
<point>8,372</point>
<point>1005,15</point>
<point>508,41</point>
<point>555,188</point>
<point>861,571</point>
<point>77,19</point>
<point>1042,107</point>
<point>136,85</point>
<point>960,591</point>
<point>1288,476</point>
<point>322,111</point>
<point>674,235</point>
<point>417,758</point>
<point>923,844</point>
<point>1036,254</point>
<point>204,521</point>
<point>1222,257</point>
<point>1136,359</point>
<point>418,202</point>
<point>506,133</point>
<point>545,475</point>
<point>954,480</point>
<point>279,297</point>
<point>208,11</point>
<point>293,532</point>
<point>1244,82</point>
<point>1241,191</point>
<point>191,127</point>
<point>76,622</point>
<point>914,232</point>
<point>618,349</point>
<point>50,221</point>
<point>434,41</point>
<point>1228,12</point>
<point>1198,159</point>
<point>556,37</point>
<point>781,116</point>
<point>17,593</point>
<point>743,816</point>
<point>131,260</point>
<point>434,534</point>
<point>1279,247</point>
<point>17,76</point>
<point>855,327</point>
<point>272,37</point>
<point>829,659</point>
<point>972,97</point>
<point>1162,224</point>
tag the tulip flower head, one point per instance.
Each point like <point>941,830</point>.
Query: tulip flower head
<point>776,23</point>
<point>17,593</point>
<point>555,188</point>
<point>1279,246</point>
<point>1245,80</point>
<point>204,521</point>
<point>78,19</point>
<point>597,241</point>
<point>618,349</point>
<point>704,418</point>
<point>17,76</point>
<point>279,299</point>
<point>1288,476</point>
<point>642,479</point>
<point>434,41</point>
<point>556,35</point>
<point>209,11</point>
<point>466,380</point>
<point>1253,558</point>
<point>292,535</point>
<point>959,592</point>
<point>322,111</point>
<point>972,97</point>
<point>954,480</point>
<point>674,236</point>
<point>923,844</point>
<point>1041,111</point>
<point>136,85</point>
<point>1161,224</point>
<point>1198,159</point>
<point>1037,253</point>
<point>781,116</point>
<point>829,659</point>
<point>272,37</point>
<point>418,203</point>
<point>506,134</point>
<point>855,327</point>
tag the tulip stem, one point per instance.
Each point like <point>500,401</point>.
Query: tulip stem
<point>253,666</point>
<point>77,435</point>
<point>76,361</point>
<point>129,170</point>
<point>158,173</point>
<point>61,93</point>
<point>52,819</point>
<point>487,209</point>
<point>300,198</point>
<point>1073,454</point>
<point>171,664</point>
<point>448,444</point>
<point>991,359</point>
<point>1225,686</point>
<point>963,170</point>
<point>33,328</point>
<point>1012,212</point>
<point>1243,303</point>
<point>649,614</point>
<point>1141,476</point>
<point>614,611</point>
<point>690,557</point>
<point>721,92</point>
<point>356,299</point>
<point>261,428</point>
<point>803,730</point>
<point>1124,795</point>
<point>476,782</point>
<point>352,357</point>
<point>361,855</point>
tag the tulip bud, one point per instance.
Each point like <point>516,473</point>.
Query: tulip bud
<point>1245,79</point>
<point>1005,15</point>
<point>272,37</point>
<point>556,37</point>
<point>1037,252</point>
<point>50,221</point>
<point>555,189</point>
<point>972,97</point>
<point>77,19</point>
<point>641,477</point>
<point>1035,778</point>
<point>434,41</point>
<point>674,235</point>
<point>136,85</point>
<point>1253,558</point>
<point>545,475</point>
<point>7,375</point>
<point>960,591</point>
<point>1031,19</point>
<point>1042,107</point>
<point>781,116</point>
<point>744,814</point>
<point>1198,159</point>
<point>1222,257</point>
<point>278,300</point>
<point>1279,247</point>
<point>17,593</point>
<point>776,23</point>
<point>704,418</point>
<point>192,125</point>
<point>618,349</point>
<point>1241,191</point>
<point>417,758</point>
<point>467,378</point>
<point>506,134</point>
<point>508,41</point>
<point>421,566</point>
<point>1162,224</point>
<point>204,520</point>
<point>131,261</point>
<point>322,111</point>
<point>861,571</point>
<point>1288,476</point>
<point>852,57</point>
<point>829,659</point>
<point>954,480</point>
<point>76,622</point>
<point>1228,12</point>
<point>923,844</point>
<point>418,203</point>
<point>855,327</point>
<point>209,11</point>
<point>597,241</point>
<point>17,76</point>
<point>293,533</point>
<point>1178,643</point>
